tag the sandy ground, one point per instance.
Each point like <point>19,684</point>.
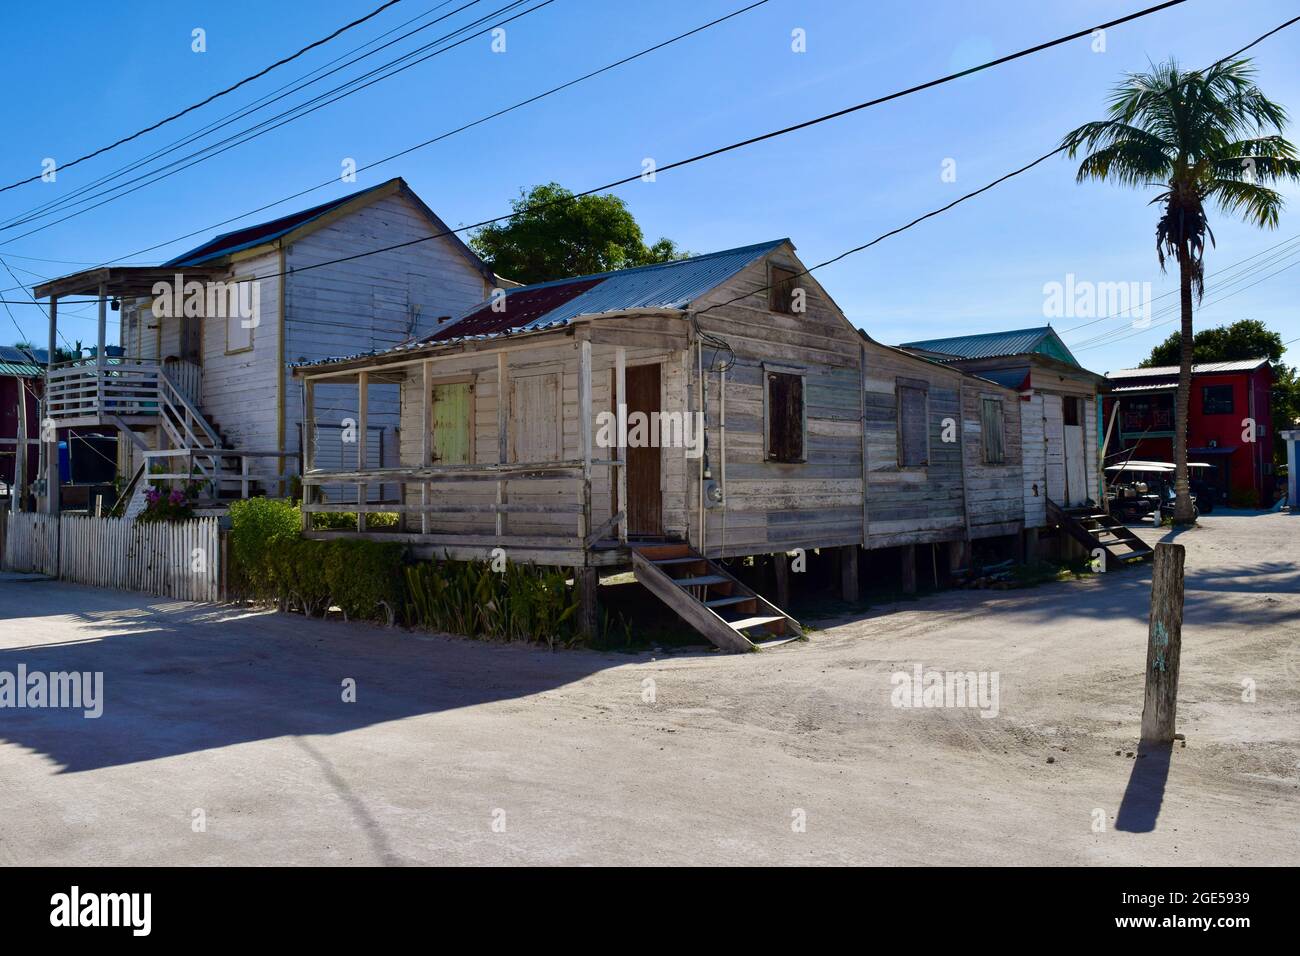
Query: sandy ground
<point>459,752</point>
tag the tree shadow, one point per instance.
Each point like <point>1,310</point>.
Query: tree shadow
<point>183,678</point>
<point>1145,792</point>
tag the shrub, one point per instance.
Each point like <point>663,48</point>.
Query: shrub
<point>365,578</point>
<point>468,597</point>
<point>347,520</point>
<point>258,527</point>
<point>298,572</point>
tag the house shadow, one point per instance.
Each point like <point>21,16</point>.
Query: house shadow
<point>181,678</point>
<point>1145,793</point>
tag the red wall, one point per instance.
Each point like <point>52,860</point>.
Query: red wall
<point>1247,470</point>
<point>9,386</point>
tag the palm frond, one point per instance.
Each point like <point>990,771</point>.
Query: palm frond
<point>1256,204</point>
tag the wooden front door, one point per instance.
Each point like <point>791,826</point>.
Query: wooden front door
<point>645,506</point>
<point>452,415</point>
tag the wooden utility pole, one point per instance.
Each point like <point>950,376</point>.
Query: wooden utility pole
<point>1164,645</point>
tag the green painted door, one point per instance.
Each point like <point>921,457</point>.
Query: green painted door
<point>452,413</point>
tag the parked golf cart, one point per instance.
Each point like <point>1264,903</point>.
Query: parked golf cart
<point>1141,488</point>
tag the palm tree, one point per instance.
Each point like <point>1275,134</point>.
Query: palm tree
<point>1201,137</point>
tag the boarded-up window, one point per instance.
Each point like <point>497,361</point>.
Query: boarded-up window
<point>991,426</point>
<point>913,433</point>
<point>781,289</point>
<point>785,417</point>
<point>535,420</point>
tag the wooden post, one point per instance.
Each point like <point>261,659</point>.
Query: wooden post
<point>308,458</point>
<point>584,433</point>
<point>849,573</point>
<point>426,439</point>
<point>503,438</point>
<point>587,581</point>
<point>958,555</point>
<point>781,569</point>
<point>1164,644</point>
<point>363,400</point>
<point>619,451</point>
<point>51,447</point>
<point>908,560</point>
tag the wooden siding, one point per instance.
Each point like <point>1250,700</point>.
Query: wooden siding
<point>912,505</point>
<point>770,506</point>
<point>994,491</point>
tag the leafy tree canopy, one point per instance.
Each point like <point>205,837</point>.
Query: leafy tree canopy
<point>553,235</point>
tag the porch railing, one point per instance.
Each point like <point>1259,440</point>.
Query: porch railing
<point>122,386</point>
<point>426,480</point>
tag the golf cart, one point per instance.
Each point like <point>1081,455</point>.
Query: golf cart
<point>1141,488</point>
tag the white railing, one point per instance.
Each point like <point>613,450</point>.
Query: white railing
<point>124,387</point>
<point>216,469</point>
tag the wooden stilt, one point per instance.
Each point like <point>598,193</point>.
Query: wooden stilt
<point>849,573</point>
<point>587,581</point>
<point>907,555</point>
<point>781,569</point>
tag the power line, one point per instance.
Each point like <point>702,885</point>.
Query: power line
<point>230,89</point>
<point>270,124</point>
<point>277,94</point>
<point>448,134</point>
<point>826,117</point>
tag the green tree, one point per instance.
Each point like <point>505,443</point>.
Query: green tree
<point>1244,339</point>
<point>1203,138</point>
<point>553,235</point>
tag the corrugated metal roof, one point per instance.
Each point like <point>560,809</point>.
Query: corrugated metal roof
<point>665,285</point>
<point>1139,389</point>
<point>1042,340</point>
<point>1205,368</point>
<point>248,236</point>
<point>21,370</point>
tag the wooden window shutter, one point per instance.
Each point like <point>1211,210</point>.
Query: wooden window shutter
<point>913,437</point>
<point>992,431</point>
<point>785,417</point>
<point>781,288</point>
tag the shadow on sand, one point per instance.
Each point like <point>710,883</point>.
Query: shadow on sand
<point>1145,792</point>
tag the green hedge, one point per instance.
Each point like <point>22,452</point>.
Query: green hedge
<point>371,580</point>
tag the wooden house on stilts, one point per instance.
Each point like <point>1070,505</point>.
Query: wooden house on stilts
<point>664,418</point>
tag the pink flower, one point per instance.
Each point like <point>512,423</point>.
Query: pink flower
<point>177,497</point>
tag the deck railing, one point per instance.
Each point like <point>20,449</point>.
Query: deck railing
<point>121,387</point>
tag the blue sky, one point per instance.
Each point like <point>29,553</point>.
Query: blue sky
<point>81,73</point>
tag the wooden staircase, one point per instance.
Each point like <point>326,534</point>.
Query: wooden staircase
<point>1094,528</point>
<point>710,600</point>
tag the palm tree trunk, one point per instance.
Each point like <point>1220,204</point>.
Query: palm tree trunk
<point>1183,502</point>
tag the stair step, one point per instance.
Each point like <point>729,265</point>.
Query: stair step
<point>728,601</point>
<point>701,580</point>
<point>746,623</point>
<point>654,552</point>
<point>683,560</point>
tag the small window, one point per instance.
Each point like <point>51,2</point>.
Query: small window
<point>992,430</point>
<point>1071,413</point>
<point>913,433</point>
<point>536,417</point>
<point>785,417</point>
<point>1216,400</point>
<point>781,287</point>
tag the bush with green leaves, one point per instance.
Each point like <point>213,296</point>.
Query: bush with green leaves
<point>256,529</point>
<point>365,578</point>
<point>521,603</point>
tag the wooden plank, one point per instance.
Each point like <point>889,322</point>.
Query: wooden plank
<point>363,406</point>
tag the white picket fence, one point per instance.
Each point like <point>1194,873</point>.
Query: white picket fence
<point>178,559</point>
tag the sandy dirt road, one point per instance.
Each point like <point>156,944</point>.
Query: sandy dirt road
<point>458,752</point>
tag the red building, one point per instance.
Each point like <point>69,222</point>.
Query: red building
<point>1230,425</point>
<point>20,383</point>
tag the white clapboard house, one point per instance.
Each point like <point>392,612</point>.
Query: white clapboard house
<point>200,383</point>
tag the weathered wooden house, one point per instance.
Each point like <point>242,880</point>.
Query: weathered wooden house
<point>200,382</point>
<point>1060,419</point>
<point>663,418</point>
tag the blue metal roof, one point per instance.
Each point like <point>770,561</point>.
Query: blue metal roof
<point>664,285</point>
<point>1042,340</point>
<point>258,234</point>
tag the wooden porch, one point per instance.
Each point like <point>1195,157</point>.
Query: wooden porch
<point>549,510</point>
